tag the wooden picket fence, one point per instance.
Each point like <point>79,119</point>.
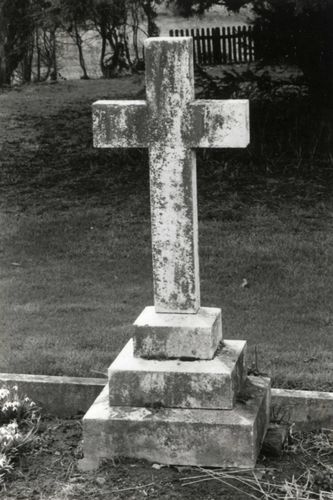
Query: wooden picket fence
<point>221,45</point>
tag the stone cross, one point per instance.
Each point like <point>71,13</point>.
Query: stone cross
<point>171,124</point>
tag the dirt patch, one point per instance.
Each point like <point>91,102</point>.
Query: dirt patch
<point>50,472</point>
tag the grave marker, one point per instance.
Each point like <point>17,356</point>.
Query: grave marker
<point>159,404</point>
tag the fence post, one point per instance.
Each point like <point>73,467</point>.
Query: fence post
<point>199,51</point>
<point>239,44</point>
<point>224,50</point>
<point>234,45</point>
<point>195,55</point>
<point>229,49</point>
<point>245,44</point>
<point>217,56</point>
<point>251,43</point>
<point>203,46</point>
<point>209,48</point>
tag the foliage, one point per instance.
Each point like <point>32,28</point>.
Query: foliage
<point>74,19</point>
<point>297,31</point>
<point>109,19</point>
<point>28,29</point>
<point>19,418</point>
<point>6,467</point>
<point>14,407</point>
<point>16,29</point>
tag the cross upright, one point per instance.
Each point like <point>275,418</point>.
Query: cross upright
<point>171,124</point>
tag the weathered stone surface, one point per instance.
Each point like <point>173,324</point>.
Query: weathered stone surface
<point>219,124</point>
<point>120,124</point>
<point>211,438</point>
<point>307,410</point>
<point>173,190</point>
<point>171,123</point>
<point>161,335</point>
<point>178,384</point>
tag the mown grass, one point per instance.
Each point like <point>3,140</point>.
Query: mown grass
<point>75,257</point>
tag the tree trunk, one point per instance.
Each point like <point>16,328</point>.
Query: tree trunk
<point>38,61</point>
<point>3,58</point>
<point>151,16</point>
<point>27,62</point>
<point>120,58</point>
<point>47,58</point>
<point>6,64</point>
<point>102,57</point>
<point>126,51</point>
<point>135,42</point>
<point>53,50</point>
<point>3,70</point>
<point>78,41</point>
<point>112,38</point>
<point>135,28</point>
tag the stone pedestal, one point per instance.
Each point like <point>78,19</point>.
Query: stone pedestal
<point>179,411</point>
<point>172,335</point>
<point>180,436</point>
<point>178,384</point>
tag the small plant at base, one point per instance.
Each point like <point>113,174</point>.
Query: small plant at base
<point>6,467</point>
<point>254,368</point>
<point>19,419</point>
<point>15,407</point>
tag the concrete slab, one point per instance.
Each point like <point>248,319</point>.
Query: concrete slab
<point>178,384</point>
<point>172,335</point>
<point>211,438</point>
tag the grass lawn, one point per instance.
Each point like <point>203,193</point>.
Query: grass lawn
<point>75,258</point>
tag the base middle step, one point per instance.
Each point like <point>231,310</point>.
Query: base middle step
<point>176,383</point>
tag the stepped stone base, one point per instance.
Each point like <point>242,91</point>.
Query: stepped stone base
<point>178,384</point>
<point>211,438</point>
<point>172,335</point>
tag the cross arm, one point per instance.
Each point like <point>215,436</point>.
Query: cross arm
<point>219,123</point>
<point>120,124</point>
